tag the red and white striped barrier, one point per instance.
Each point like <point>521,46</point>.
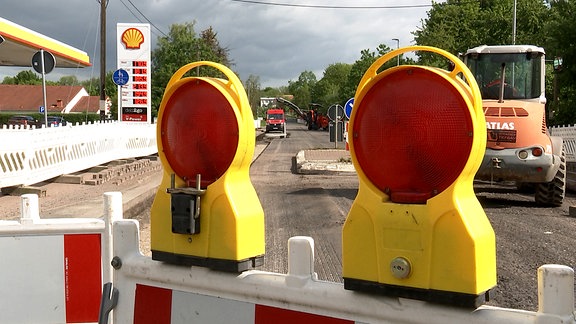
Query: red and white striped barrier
<point>53,269</point>
<point>154,305</point>
<point>52,272</point>
<point>156,292</point>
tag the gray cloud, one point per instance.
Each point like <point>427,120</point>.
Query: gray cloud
<point>275,43</point>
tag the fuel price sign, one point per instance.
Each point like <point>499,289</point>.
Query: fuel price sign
<point>134,100</point>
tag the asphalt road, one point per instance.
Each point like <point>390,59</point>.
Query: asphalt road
<point>296,204</point>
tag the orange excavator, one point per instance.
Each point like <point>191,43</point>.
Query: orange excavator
<point>519,148</point>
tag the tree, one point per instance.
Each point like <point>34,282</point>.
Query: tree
<point>214,52</point>
<point>92,86</point>
<point>252,86</point>
<point>24,77</point>
<point>456,26</point>
<point>560,43</point>
<point>180,47</point>
<point>359,68</point>
<point>302,89</point>
<point>68,80</point>
<point>327,91</point>
<point>269,92</point>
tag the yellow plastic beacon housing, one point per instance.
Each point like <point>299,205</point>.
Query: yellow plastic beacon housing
<point>417,136</point>
<point>206,211</point>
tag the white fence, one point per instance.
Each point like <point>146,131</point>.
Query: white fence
<point>568,133</point>
<point>29,156</point>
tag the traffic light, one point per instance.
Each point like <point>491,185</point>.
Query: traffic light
<point>417,136</point>
<point>206,211</point>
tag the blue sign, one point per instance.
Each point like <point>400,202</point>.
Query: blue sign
<point>348,107</point>
<point>120,77</point>
<point>41,109</point>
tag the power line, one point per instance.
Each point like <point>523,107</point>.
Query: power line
<point>146,18</point>
<point>132,12</point>
<point>330,7</point>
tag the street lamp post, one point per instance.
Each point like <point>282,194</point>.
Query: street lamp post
<point>397,47</point>
<point>514,25</point>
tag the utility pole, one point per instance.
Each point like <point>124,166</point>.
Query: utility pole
<point>102,58</point>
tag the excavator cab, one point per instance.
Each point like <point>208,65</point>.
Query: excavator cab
<point>516,75</point>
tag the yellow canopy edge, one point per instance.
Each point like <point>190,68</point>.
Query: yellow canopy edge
<point>20,43</point>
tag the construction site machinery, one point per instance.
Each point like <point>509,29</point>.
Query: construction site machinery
<point>519,146</point>
<point>314,119</point>
<point>317,120</point>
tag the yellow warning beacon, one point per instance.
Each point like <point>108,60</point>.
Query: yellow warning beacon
<point>417,136</point>
<point>206,211</point>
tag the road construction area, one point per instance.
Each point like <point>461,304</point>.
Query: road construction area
<point>306,186</point>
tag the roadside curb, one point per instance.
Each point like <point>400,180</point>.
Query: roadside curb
<point>324,162</point>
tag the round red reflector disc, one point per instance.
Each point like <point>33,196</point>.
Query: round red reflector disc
<point>199,132</point>
<point>412,134</point>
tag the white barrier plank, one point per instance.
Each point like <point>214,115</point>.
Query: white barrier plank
<point>53,269</point>
<point>25,268</point>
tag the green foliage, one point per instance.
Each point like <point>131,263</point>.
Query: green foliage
<point>70,80</point>
<point>357,71</point>
<point>27,77</point>
<point>561,37</point>
<point>92,86</point>
<point>456,26</point>
<point>327,91</point>
<point>252,87</point>
<point>180,47</point>
<point>359,68</point>
<point>270,92</point>
<point>302,89</point>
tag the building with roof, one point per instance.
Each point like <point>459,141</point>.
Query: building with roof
<point>26,99</point>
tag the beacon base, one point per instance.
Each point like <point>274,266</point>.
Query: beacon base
<point>211,263</point>
<point>430,295</point>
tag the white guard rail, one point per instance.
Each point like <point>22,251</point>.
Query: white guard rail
<point>568,134</point>
<point>29,156</point>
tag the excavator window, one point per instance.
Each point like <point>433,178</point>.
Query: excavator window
<point>520,73</point>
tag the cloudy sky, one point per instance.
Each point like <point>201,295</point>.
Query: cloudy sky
<point>275,40</point>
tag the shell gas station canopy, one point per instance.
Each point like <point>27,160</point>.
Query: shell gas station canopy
<point>18,44</point>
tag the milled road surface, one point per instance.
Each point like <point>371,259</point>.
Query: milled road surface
<point>295,204</point>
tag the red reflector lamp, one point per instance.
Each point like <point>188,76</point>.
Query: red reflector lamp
<point>206,211</point>
<point>416,229</point>
<point>537,151</point>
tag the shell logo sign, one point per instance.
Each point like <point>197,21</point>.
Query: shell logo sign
<point>132,38</point>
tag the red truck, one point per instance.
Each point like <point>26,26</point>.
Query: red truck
<point>276,121</point>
